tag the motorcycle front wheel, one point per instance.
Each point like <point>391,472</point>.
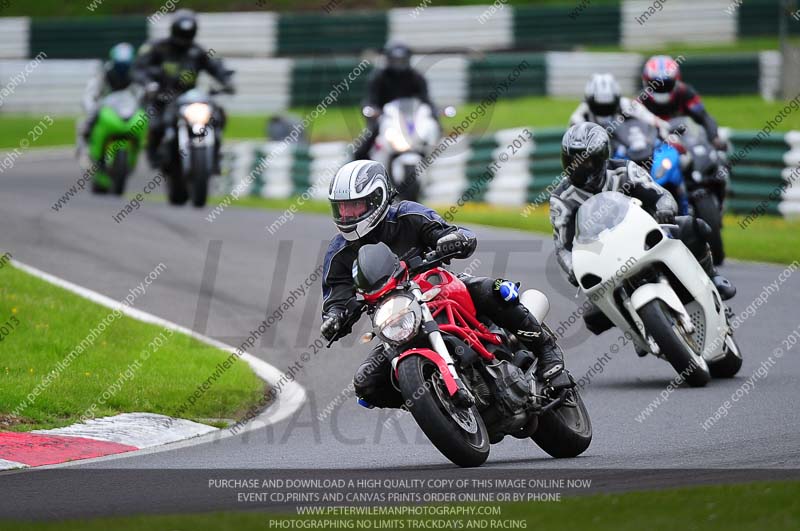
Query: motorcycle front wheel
<point>458,433</point>
<point>119,171</point>
<point>707,209</point>
<point>567,430</point>
<point>199,174</point>
<point>675,343</point>
<point>730,364</point>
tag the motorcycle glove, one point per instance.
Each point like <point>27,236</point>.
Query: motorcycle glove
<point>455,243</point>
<point>666,217</point>
<point>332,323</point>
<point>720,144</point>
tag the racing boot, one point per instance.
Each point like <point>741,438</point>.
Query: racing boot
<point>724,287</point>
<point>542,343</point>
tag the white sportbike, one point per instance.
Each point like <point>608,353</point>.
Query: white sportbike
<point>407,133</point>
<point>652,287</point>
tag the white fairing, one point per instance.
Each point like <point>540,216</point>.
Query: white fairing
<point>406,126</point>
<point>613,249</point>
<point>124,103</point>
<point>536,302</point>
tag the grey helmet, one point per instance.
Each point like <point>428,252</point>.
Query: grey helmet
<point>360,195</point>
<point>585,150</point>
<point>602,95</point>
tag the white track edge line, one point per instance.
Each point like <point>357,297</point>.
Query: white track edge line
<point>289,400</point>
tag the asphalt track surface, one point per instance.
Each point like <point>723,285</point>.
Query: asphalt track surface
<point>223,278</point>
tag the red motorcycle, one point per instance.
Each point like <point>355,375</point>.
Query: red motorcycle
<point>467,382</point>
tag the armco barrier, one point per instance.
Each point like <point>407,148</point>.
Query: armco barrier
<point>494,26</point>
<point>517,178</point>
<point>274,84</point>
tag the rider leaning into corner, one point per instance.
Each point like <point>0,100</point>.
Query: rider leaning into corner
<point>585,156</point>
<point>670,97</point>
<point>361,198</point>
<point>115,74</point>
<point>169,67</point>
<point>396,80</point>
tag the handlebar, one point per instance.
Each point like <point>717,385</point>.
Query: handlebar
<point>222,90</point>
<point>428,261</point>
<point>355,308</point>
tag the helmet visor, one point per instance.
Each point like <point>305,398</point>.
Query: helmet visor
<point>584,171</point>
<point>604,109</point>
<point>352,211</point>
<point>663,85</point>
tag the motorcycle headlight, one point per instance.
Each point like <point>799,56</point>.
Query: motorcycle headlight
<point>397,319</point>
<point>663,168</point>
<point>397,140</point>
<point>197,113</point>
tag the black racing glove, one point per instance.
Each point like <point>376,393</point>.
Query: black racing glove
<point>455,243</point>
<point>332,322</point>
<point>665,217</point>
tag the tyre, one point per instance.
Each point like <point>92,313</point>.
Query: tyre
<point>98,188</point>
<point>707,209</point>
<point>199,175</point>
<point>675,343</point>
<point>409,188</point>
<point>119,172</point>
<point>728,366</point>
<point>567,430</point>
<point>176,190</point>
<point>458,433</point>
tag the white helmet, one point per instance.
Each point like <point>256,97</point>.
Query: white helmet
<point>360,194</point>
<point>602,95</point>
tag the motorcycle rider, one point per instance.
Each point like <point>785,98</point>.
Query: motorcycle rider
<point>114,74</point>
<point>603,100</point>
<point>396,80</point>
<point>668,97</point>
<point>169,67</point>
<point>361,196</point>
<point>585,156</point>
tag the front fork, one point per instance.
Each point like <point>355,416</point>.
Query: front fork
<point>431,329</point>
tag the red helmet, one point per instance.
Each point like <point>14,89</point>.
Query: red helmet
<point>661,73</point>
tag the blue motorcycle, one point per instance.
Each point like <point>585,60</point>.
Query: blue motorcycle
<point>637,141</point>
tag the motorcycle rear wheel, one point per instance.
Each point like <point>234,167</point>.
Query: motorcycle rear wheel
<point>565,431</point>
<point>458,433</point>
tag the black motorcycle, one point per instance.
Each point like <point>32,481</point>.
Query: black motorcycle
<point>191,145</point>
<point>706,176</point>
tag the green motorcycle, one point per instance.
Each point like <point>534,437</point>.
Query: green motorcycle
<point>115,141</point>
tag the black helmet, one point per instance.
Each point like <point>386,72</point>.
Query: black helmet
<point>584,156</point>
<point>398,57</point>
<point>360,195</point>
<point>183,28</point>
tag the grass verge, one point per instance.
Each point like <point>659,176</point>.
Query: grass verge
<point>770,505</point>
<point>42,324</point>
<point>345,123</point>
<point>767,239</point>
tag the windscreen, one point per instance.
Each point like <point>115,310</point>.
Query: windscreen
<point>600,213</point>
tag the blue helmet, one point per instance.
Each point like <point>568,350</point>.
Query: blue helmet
<point>120,61</point>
